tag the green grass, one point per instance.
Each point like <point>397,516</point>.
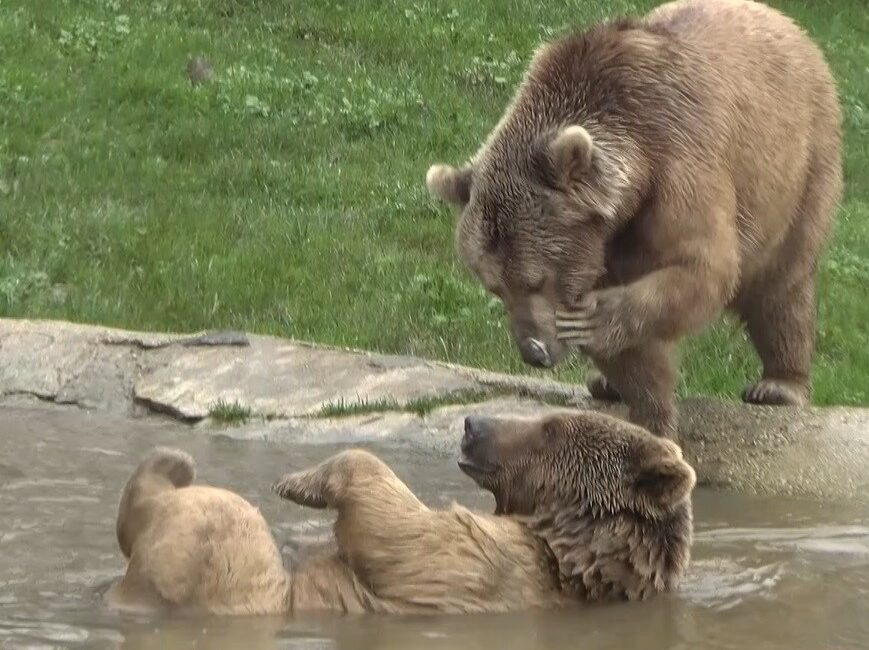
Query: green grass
<point>286,195</point>
<point>422,406</point>
<point>229,412</point>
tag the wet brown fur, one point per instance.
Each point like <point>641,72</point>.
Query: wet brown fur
<point>591,508</point>
<point>711,183</point>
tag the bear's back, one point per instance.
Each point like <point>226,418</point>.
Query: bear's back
<point>775,103</point>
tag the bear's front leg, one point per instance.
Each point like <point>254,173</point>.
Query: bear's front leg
<point>666,305</point>
<point>693,234</point>
<point>379,523</point>
<point>345,479</point>
<point>603,324</point>
<point>645,378</point>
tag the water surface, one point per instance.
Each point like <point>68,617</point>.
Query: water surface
<point>765,573</point>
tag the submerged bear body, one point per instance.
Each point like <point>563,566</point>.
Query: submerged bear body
<point>589,508</point>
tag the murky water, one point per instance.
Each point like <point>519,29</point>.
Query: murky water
<point>766,573</point>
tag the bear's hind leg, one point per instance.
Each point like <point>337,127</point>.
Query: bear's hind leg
<point>781,324</point>
<point>134,592</point>
<point>779,308</point>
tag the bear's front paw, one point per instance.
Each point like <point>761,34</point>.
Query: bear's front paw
<point>601,326</point>
<point>600,388</point>
<point>304,488</point>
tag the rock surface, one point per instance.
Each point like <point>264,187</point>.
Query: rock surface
<point>301,392</point>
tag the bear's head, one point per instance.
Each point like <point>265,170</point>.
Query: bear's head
<point>533,226</point>
<point>561,173</point>
<point>581,461</point>
<point>611,500</point>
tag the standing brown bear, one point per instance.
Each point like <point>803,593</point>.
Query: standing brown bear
<point>647,175</point>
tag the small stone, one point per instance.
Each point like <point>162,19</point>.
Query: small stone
<point>199,70</point>
<point>59,293</point>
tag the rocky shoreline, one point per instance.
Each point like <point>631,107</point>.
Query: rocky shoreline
<point>269,387</point>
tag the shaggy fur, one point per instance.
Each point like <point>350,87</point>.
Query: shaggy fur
<point>588,508</point>
<point>647,175</point>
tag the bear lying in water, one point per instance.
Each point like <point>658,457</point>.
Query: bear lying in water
<point>588,508</point>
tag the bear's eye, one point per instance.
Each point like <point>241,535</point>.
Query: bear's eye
<point>571,300</point>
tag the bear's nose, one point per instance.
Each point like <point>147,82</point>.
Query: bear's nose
<point>535,353</point>
<point>475,430</point>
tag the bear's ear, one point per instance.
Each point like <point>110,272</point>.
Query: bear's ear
<point>449,184</point>
<point>572,152</point>
<point>662,478</point>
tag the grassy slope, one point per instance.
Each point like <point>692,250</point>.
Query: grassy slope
<point>287,196</point>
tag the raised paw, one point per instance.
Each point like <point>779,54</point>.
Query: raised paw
<point>599,326</point>
<point>601,389</point>
<point>776,392</point>
<point>306,488</point>
<point>577,327</point>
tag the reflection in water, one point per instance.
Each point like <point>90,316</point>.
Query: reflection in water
<point>766,573</point>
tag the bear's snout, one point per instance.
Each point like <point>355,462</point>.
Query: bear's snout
<point>477,449</point>
<point>476,431</point>
<point>535,353</point>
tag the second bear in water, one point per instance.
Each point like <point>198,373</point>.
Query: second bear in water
<point>589,508</point>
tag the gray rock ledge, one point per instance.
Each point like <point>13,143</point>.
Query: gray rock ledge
<point>299,391</point>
